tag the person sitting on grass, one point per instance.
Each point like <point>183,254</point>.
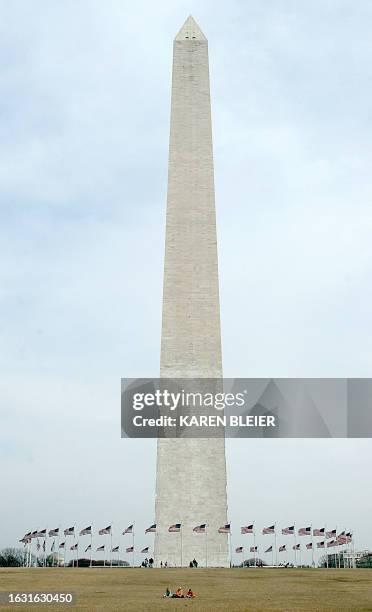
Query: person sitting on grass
<point>190,594</point>
<point>168,593</point>
<point>178,593</point>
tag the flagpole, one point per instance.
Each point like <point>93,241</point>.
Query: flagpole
<point>91,545</point>
<point>347,555</point>
<point>296,562</point>
<point>230,546</point>
<point>111,545</point>
<point>343,555</point>
<point>133,544</point>
<point>57,554</point>
<point>276,552</point>
<point>254,546</point>
<point>312,547</point>
<point>74,544</point>
<point>181,544</point>
<point>206,545</point>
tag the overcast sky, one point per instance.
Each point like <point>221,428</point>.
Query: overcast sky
<point>84,124</point>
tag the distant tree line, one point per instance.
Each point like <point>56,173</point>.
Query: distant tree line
<point>12,557</point>
<point>15,557</point>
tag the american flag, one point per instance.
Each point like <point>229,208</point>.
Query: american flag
<point>330,534</point>
<point>74,547</point>
<point>41,534</point>
<point>53,532</point>
<point>282,548</point>
<point>304,531</point>
<point>309,546</point>
<point>296,547</point>
<point>343,538</point>
<point>269,549</point>
<point>288,530</point>
<point>130,549</point>
<point>200,528</point>
<point>225,528</point>
<point>268,530</point>
<point>151,529</point>
<point>116,549</point>
<point>239,549</point>
<point>62,545</point>
<point>320,544</point>
<point>88,548</point>
<point>319,532</point>
<point>349,536</point>
<point>332,543</point>
<point>246,529</point>
<point>86,531</point>
<point>69,531</point>
<point>26,538</point>
<point>128,530</point>
<point>105,530</point>
<point>34,534</point>
<point>101,547</point>
<point>175,528</point>
<point>145,550</point>
<point>253,549</point>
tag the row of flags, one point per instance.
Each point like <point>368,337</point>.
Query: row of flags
<point>70,531</point>
<point>342,538</point>
<point>130,549</point>
<point>253,549</point>
<point>62,546</point>
<point>283,548</point>
<point>303,531</point>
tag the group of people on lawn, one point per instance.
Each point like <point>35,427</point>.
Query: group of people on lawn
<point>179,594</point>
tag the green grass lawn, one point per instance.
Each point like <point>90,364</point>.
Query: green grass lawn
<point>219,589</point>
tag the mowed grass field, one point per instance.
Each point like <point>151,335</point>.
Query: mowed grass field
<point>136,589</point>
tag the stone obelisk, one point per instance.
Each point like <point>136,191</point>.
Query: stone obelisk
<point>191,473</point>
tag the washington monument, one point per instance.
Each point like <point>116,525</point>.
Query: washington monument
<point>191,473</point>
